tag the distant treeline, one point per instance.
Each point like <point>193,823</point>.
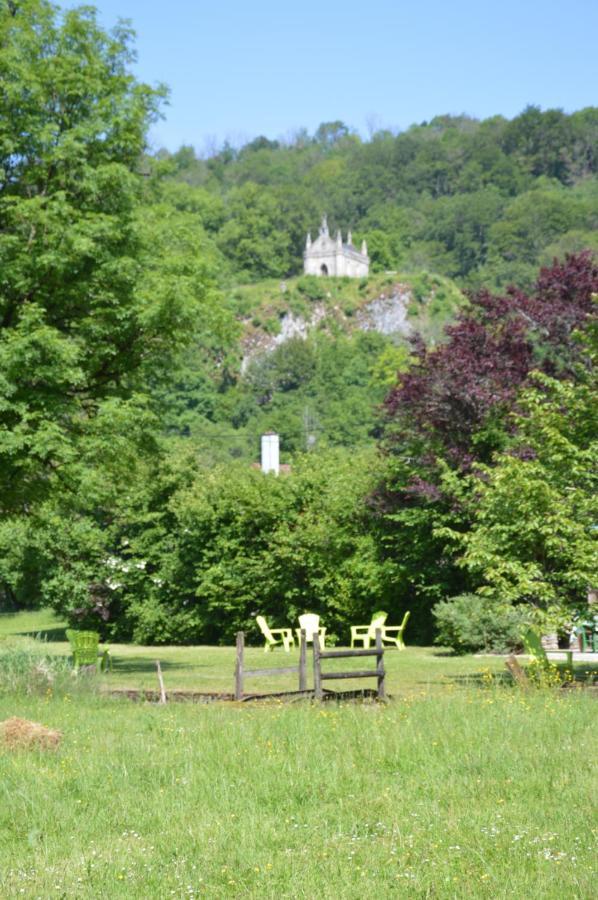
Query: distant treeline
<point>484,202</point>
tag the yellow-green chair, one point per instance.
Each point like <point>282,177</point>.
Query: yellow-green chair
<point>397,630</point>
<point>310,623</point>
<point>285,635</point>
<point>85,648</point>
<point>367,633</point>
<point>532,644</point>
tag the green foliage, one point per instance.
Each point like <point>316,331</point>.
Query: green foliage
<point>254,238</point>
<point>199,555</point>
<point>84,312</point>
<point>479,201</point>
<point>470,623</point>
<point>533,533</point>
<point>312,287</point>
<point>99,293</point>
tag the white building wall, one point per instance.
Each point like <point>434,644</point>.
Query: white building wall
<point>338,261</point>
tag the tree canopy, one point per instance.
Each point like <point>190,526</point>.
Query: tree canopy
<point>484,202</point>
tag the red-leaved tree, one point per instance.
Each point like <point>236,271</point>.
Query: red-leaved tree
<point>451,411</point>
<point>453,400</point>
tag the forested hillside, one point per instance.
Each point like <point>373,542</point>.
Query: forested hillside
<point>447,206</point>
<point>311,358</point>
<point>483,202</point>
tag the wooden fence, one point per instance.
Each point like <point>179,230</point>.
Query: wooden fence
<point>377,673</point>
<point>241,673</point>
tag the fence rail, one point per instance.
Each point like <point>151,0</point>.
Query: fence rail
<point>377,673</point>
<point>241,673</point>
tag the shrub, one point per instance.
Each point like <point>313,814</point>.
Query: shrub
<point>312,287</point>
<point>156,623</point>
<point>469,623</point>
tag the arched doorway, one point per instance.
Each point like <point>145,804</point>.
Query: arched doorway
<point>323,269</point>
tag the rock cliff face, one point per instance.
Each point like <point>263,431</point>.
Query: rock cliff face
<point>386,314</point>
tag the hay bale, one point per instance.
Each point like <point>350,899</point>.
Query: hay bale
<point>20,734</point>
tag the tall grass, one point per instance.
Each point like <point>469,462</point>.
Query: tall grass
<point>483,793</point>
<point>27,666</point>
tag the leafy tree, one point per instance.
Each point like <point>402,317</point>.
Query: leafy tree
<point>254,237</point>
<point>477,200</point>
<point>95,297</point>
<point>330,133</point>
<point>533,532</point>
<point>450,399</point>
<point>539,138</point>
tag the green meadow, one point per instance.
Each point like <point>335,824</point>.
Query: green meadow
<point>460,786</point>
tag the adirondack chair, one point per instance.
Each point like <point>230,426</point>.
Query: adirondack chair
<point>532,644</point>
<point>310,623</point>
<point>270,634</point>
<point>367,633</point>
<point>393,634</point>
<point>587,635</point>
<point>85,647</point>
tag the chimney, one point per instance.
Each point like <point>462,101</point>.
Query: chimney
<point>270,453</point>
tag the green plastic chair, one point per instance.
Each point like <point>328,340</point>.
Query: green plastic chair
<point>286,635</point>
<point>85,647</point>
<point>367,633</point>
<point>532,644</point>
<point>310,623</point>
<point>587,635</point>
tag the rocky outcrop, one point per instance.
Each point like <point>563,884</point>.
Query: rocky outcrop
<point>386,314</point>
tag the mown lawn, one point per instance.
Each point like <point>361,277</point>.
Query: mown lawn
<point>211,669</point>
<point>453,789</point>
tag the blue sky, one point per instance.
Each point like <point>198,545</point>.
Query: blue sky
<point>239,69</point>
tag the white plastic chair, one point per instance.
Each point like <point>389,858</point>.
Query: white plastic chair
<point>310,623</point>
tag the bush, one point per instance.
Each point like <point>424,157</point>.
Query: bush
<point>156,623</point>
<point>230,543</point>
<point>469,623</point>
<point>312,287</point>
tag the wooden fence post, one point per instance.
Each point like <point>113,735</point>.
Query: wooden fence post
<point>160,682</point>
<point>302,661</point>
<point>519,675</point>
<point>380,665</point>
<point>239,665</point>
<point>317,666</point>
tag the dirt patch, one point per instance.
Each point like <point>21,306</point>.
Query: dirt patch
<point>20,734</point>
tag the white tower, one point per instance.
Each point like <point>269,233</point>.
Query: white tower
<point>270,453</point>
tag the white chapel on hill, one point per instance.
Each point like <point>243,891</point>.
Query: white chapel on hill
<point>329,256</point>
